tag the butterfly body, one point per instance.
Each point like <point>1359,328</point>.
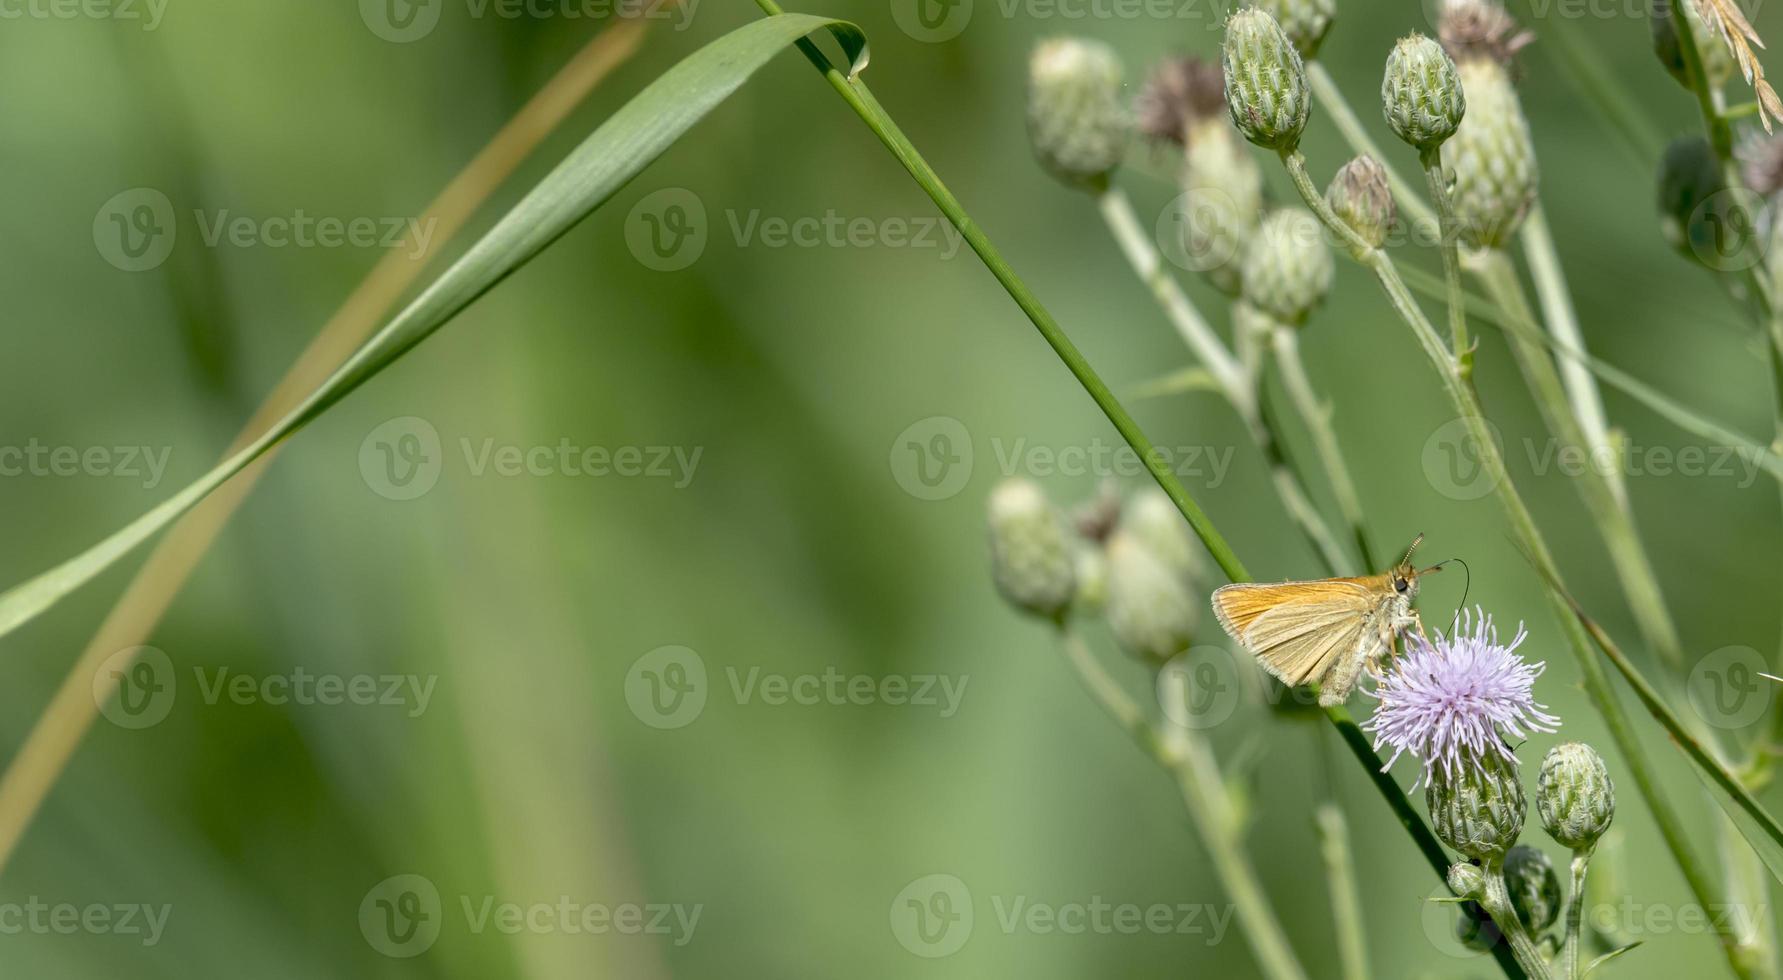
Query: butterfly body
<point>1325,630</point>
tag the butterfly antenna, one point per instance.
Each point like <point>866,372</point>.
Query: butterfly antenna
<point>1466,584</point>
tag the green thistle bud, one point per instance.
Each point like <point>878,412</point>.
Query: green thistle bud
<point>1076,120</point>
<point>1151,518</point>
<point>1306,22</point>
<point>1288,267</point>
<point>1476,930</point>
<point>1699,215</point>
<point>1478,808</point>
<point>1467,880</point>
<point>1031,556</point>
<point>1718,63</point>
<point>1222,203</point>
<point>1421,93</point>
<point>1575,796</point>
<point>1150,607</point>
<point>1534,887</point>
<point>1491,157</point>
<point>1362,200</point>
<point>1266,88</point>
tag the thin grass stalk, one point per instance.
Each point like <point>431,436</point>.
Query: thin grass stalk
<point>1639,580</point>
<point>1235,380</point>
<point>1467,406</point>
<point>1346,897</point>
<point>50,744</point>
<point>1497,903</point>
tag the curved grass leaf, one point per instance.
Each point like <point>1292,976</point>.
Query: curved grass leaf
<point>1671,410</point>
<point>610,157</point>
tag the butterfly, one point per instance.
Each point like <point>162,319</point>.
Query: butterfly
<point>1325,630</point>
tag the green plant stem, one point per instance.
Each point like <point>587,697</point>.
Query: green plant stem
<point>1497,903</point>
<point>1186,755</point>
<point>1235,379</point>
<point>1563,322</point>
<point>1525,532</point>
<point>1346,898</point>
<point>1317,414</point>
<point>1451,260</point>
<point>1575,913</point>
<point>1639,580</point>
<point>1411,207</point>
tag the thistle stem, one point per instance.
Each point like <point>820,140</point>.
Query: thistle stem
<point>1346,898</point>
<point>1597,485</point>
<point>1188,758</point>
<point>1563,322</point>
<point>1575,913</point>
<point>1317,415</point>
<point>1236,381</point>
<point>1527,535</point>
<point>1451,258</point>
<point>1497,903</point>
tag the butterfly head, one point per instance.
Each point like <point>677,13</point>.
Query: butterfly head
<point>1404,575</point>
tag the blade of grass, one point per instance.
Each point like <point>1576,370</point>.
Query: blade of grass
<point>614,153</point>
<point>44,755</point>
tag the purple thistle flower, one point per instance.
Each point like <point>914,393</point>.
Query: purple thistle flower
<point>1447,701</point>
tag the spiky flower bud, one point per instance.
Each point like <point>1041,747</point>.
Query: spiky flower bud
<point>1031,556</point>
<point>1076,119</point>
<point>1222,203</point>
<point>1534,887</point>
<point>1575,796</point>
<point>1467,880</point>
<point>1362,200</point>
<point>1150,607</point>
<point>1306,22</point>
<point>1477,807</point>
<point>1421,93</point>
<point>1288,266</point>
<point>1266,89</point>
<point>1491,157</point>
<point>1717,61</point>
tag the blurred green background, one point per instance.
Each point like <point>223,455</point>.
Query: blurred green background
<point>264,830</point>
